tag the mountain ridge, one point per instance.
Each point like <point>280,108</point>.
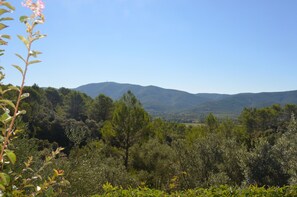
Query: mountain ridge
<point>164,102</point>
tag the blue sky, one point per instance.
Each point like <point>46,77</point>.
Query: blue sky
<point>223,46</point>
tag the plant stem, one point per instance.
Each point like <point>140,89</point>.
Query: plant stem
<point>10,128</point>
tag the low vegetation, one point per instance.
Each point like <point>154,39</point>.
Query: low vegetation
<point>119,143</point>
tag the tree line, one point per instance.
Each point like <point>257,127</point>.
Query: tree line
<point>118,142</point>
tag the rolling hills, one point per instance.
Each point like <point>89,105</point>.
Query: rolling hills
<point>174,104</point>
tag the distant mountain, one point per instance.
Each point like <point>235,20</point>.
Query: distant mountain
<point>165,102</point>
<point>234,104</point>
<point>154,99</point>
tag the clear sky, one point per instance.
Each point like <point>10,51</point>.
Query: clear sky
<point>223,46</point>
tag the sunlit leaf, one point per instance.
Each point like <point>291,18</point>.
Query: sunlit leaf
<point>42,36</point>
<point>17,131</point>
<point>37,37</point>
<point>3,11</point>
<point>10,88</point>
<point>35,53</point>
<point>11,156</point>
<point>4,179</point>
<point>3,42</point>
<point>2,26</point>
<point>14,88</point>
<point>23,18</point>
<point>4,117</point>
<point>2,188</point>
<point>6,19</point>
<point>34,62</point>
<point>25,95</point>
<point>24,40</point>
<point>8,5</point>
<point>19,56</point>
<point>19,68</point>
<point>21,112</point>
<point>8,102</point>
<point>6,36</point>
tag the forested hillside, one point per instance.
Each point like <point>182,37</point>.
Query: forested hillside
<point>181,106</point>
<point>119,143</point>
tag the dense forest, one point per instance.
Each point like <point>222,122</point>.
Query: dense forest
<point>118,143</point>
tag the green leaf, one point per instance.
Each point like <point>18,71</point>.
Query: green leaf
<point>3,131</point>
<point>5,117</point>
<point>3,11</point>
<point>6,19</point>
<point>25,95</point>
<point>21,112</point>
<point>14,88</point>
<point>19,68</point>
<point>8,102</point>
<point>24,40</point>
<point>6,36</point>
<point>2,42</point>
<point>41,36</point>
<point>29,186</point>
<point>19,56</point>
<point>4,179</point>
<point>17,131</point>
<point>2,188</point>
<point>35,53</point>
<point>37,37</point>
<point>2,26</point>
<point>23,18</point>
<point>10,88</point>
<point>8,5</point>
<point>34,62</point>
<point>11,156</point>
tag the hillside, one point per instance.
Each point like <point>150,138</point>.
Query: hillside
<point>154,99</point>
<point>234,104</point>
<point>176,104</point>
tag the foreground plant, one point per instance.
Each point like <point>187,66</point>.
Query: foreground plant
<point>29,182</point>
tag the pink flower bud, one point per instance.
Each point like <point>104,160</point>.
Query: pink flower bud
<point>36,8</point>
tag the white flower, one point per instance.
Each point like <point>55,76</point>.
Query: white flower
<point>38,188</point>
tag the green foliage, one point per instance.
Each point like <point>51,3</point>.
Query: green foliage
<point>92,166</point>
<point>6,8</point>
<point>208,161</point>
<point>261,167</point>
<point>163,155</point>
<point>75,106</point>
<point>285,151</point>
<point>211,122</point>
<point>77,132</point>
<point>101,108</point>
<point>128,125</point>
<point>261,122</point>
<point>222,191</point>
<point>155,162</point>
